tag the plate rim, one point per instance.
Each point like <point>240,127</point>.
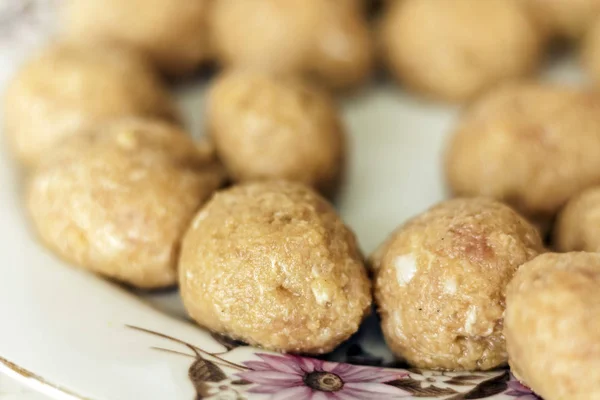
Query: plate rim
<point>37,382</point>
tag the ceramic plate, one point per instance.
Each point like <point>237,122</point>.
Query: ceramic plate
<point>73,335</point>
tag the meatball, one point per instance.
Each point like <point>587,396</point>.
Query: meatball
<point>455,49</point>
<point>68,88</point>
<point>578,224</point>
<point>270,263</point>
<point>117,200</point>
<point>268,35</point>
<point>267,127</point>
<point>590,53</point>
<point>530,145</point>
<point>552,325</point>
<point>327,40</point>
<point>441,279</point>
<point>172,33</point>
<point>342,55</point>
<point>564,18</point>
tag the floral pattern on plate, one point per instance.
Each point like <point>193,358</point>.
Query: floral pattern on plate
<point>291,377</point>
<point>520,391</point>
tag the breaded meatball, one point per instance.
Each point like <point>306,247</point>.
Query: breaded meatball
<point>266,127</point>
<point>270,263</point>
<point>118,199</point>
<point>327,40</point>
<point>342,55</point>
<point>68,88</point>
<point>267,35</point>
<point>455,49</point>
<point>564,18</point>
<point>531,145</point>
<point>552,325</point>
<point>578,224</point>
<point>172,33</point>
<point>441,279</point>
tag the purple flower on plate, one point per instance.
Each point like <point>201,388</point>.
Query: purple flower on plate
<point>520,391</point>
<point>290,377</point>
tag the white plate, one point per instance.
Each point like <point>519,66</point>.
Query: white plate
<point>71,335</point>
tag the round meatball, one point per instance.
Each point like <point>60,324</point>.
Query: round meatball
<point>172,33</point>
<point>578,224</point>
<point>270,263</point>
<point>328,40</point>
<point>454,49</point>
<point>342,55</point>
<point>564,18</point>
<point>68,88</point>
<point>268,35</point>
<point>266,127</point>
<point>530,145</point>
<point>118,199</point>
<point>552,325</point>
<point>441,279</point>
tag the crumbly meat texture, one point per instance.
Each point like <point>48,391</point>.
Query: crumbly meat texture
<point>552,325</point>
<point>455,49</point>
<point>328,41</point>
<point>267,127</point>
<point>272,264</point>
<point>590,52</point>
<point>118,199</point>
<point>342,55</point>
<point>441,279</point>
<point>267,35</point>
<point>532,145</point>
<point>578,224</point>
<point>68,88</point>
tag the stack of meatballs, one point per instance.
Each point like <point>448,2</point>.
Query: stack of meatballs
<point>242,221</point>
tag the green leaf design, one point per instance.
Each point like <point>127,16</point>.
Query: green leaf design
<point>413,387</point>
<point>487,388</point>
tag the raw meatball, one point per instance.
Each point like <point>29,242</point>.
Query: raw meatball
<point>441,280</point>
<point>117,200</point>
<point>67,88</point>
<point>552,325</point>
<point>454,49</point>
<point>172,33</point>
<point>328,40</point>
<point>578,225</point>
<point>530,145</point>
<point>271,263</point>
<point>268,127</point>
<point>564,18</point>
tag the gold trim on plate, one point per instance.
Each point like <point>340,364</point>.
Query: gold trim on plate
<point>31,375</point>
